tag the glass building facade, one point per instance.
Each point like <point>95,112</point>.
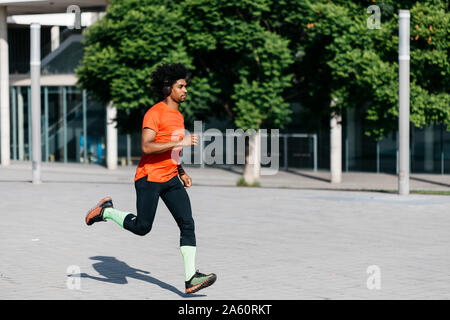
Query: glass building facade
<point>73,125</point>
<point>429,148</point>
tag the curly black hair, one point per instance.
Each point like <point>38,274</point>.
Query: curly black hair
<point>167,75</point>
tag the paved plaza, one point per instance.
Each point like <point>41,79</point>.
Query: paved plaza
<point>295,237</point>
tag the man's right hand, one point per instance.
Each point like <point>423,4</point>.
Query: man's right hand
<point>190,140</point>
<point>149,146</point>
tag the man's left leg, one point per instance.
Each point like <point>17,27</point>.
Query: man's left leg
<point>177,201</point>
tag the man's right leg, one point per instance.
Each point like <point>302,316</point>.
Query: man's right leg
<point>115,215</point>
<point>147,196</point>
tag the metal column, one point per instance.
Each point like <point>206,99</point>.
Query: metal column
<point>20,124</point>
<point>403,97</point>
<point>442,150</point>
<point>346,154</point>
<point>85,125</point>
<point>315,151</point>
<point>35,71</point>
<point>128,149</point>
<point>64,92</point>
<point>378,156</point>
<point>46,124</point>
<point>285,153</point>
<point>201,142</point>
<point>30,145</point>
<point>14,121</point>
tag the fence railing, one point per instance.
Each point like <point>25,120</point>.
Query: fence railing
<point>308,149</point>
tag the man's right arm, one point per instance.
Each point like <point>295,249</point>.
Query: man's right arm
<point>149,146</point>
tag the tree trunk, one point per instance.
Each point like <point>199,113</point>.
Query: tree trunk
<point>252,169</point>
<point>111,137</point>
<point>335,146</point>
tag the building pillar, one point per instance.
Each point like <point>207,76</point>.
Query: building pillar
<point>111,137</point>
<point>4,91</point>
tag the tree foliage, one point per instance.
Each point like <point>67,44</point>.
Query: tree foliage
<point>238,67</point>
<point>250,59</point>
<point>361,64</point>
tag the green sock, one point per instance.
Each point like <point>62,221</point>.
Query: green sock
<point>115,215</point>
<point>188,253</point>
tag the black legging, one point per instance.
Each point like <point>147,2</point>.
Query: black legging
<point>177,201</point>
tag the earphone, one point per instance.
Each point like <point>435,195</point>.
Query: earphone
<point>167,89</point>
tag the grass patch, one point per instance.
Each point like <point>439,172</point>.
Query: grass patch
<point>242,183</point>
<point>437,192</point>
<point>432,192</point>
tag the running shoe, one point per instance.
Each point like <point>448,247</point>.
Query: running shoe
<point>96,213</point>
<point>199,281</point>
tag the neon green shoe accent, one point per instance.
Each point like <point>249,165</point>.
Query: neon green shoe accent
<point>116,215</point>
<point>197,280</point>
<point>188,253</point>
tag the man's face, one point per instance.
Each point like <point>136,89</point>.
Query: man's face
<point>179,91</point>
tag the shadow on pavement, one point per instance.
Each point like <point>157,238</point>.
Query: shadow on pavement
<point>430,181</point>
<point>229,169</point>
<point>116,271</point>
<point>308,176</point>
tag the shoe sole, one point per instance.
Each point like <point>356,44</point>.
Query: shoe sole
<point>202,285</point>
<point>101,202</point>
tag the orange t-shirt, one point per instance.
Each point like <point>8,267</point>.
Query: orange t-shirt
<point>169,126</point>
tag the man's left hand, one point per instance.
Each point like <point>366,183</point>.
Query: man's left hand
<point>186,180</point>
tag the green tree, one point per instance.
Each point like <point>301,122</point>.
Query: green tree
<point>230,41</point>
<point>250,59</point>
<point>239,64</point>
<point>359,65</point>
<point>126,46</point>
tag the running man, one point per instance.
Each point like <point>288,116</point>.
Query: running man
<point>159,172</point>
